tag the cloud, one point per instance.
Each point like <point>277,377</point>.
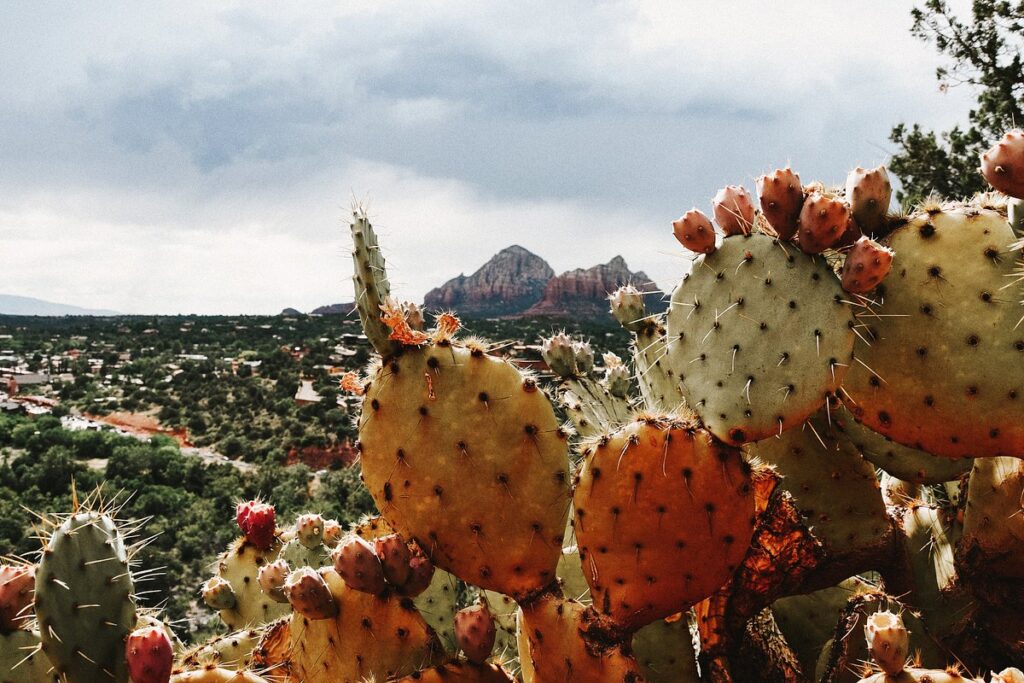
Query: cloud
<point>199,157</point>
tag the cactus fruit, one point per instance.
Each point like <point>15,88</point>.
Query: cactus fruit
<point>734,210</point>
<point>695,232</point>
<point>218,594</point>
<point>823,221</point>
<point>332,532</point>
<point>421,574</point>
<point>17,583</point>
<point>357,563</point>
<point>781,197</point>
<point>649,498</point>
<point>941,367</point>
<point>437,410</point>
<point>559,648</point>
<point>591,405</point>
<point>762,335</point>
<point>616,377</point>
<point>215,674</point>
<point>309,530</point>
<point>1003,164</point>
<point>559,353</point>
<point>460,672</point>
<point>394,556</point>
<point>475,632</point>
<point>370,636</point>
<point>867,264</point>
<point>256,520</point>
<point>239,568</point>
<point>888,641</point>
<point>1010,675</point>
<point>309,595</point>
<point>149,655</point>
<point>271,578</point>
<point>84,599</point>
<point>868,192</point>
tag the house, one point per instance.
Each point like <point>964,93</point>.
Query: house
<point>306,393</point>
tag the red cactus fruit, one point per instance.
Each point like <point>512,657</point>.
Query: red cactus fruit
<point>149,655</point>
<point>866,265</point>
<point>272,577</point>
<point>309,594</point>
<point>332,532</point>
<point>257,522</point>
<point>474,632</point>
<point>421,571</point>
<point>850,235</point>
<point>734,210</point>
<point>868,192</point>
<point>1003,165</point>
<point>17,585</point>
<point>823,221</point>
<point>357,563</point>
<point>781,197</point>
<point>695,232</point>
<point>394,557</point>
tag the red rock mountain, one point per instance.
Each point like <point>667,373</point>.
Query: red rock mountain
<point>517,282</point>
<point>508,284</point>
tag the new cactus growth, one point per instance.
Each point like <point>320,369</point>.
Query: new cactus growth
<point>823,221</point>
<point>358,564</point>
<point>17,584</point>
<point>149,656</point>
<point>868,192</point>
<point>1003,164</point>
<point>867,264</point>
<point>734,210</point>
<point>695,232</point>
<point>475,632</point>
<point>888,641</point>
<point>781,197</point>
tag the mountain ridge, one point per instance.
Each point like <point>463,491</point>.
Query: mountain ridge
<point>12,304</point>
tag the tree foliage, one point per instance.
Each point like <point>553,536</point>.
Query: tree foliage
<point>984,53</point>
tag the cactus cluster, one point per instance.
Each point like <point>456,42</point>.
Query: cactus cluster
<point>809,470</point>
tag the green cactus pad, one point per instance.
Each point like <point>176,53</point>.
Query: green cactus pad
<point>232,650</point>
<point>21,660</point>
<point>660,384</point>
<point>464,454</point>
<point>834,488</point>
<point>240,565</point>
<point>592,409</point>
<point>371,283</point>
<point>298,555</point>
<point>664,651</point>
<point>944,371</point>
<point>85,599</point>
<point>993,533</point>
<point>761,334</point>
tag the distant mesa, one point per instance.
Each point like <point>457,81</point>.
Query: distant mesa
<point>516,282</point>
<point>334,309</point>
<point>25,305</point>
<point>291,312</point>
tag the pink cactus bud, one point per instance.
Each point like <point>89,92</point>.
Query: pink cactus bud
<point>695,232</point>
<point>149,655</point>
<point>257,522</point>
<point>867,264</point>
<point>394,557</point>
<point>218,594</point>
<point>17,586</point>
<point>309,594</point>
<point>272,577</point>
<point>332,532</point>
<point>1003,165</point>
<point>781,197</point>
<point>309,529</point>
<point>734,210</point>
<point>421,571</point>
<point>888,641</point>
<point>357,563</point>
<point>868,192</point>
<point>823,221</point>
<point>475,633</point>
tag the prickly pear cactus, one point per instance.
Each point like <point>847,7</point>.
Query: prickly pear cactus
<point>993,532</point>
<point>761,334</point>
<point>214,674</point>
<point>22,659</point>
<point>941,369</point>
<point>370,637</point>
<point>239,566</point>
<point>458,671</point>
<point>651,497</point>
<point>664,651</point>
<point>232,650</point>
<point>84,599</point>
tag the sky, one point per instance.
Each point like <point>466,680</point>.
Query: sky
<point>197,157</point>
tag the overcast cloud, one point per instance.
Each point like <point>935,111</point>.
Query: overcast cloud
<point>201,157</point>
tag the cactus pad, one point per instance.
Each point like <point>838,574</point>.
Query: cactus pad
<point>944,371</point>
<point>761,336</point>
<point>239,565</point>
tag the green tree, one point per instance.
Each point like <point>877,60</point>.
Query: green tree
<point>984,54</point>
